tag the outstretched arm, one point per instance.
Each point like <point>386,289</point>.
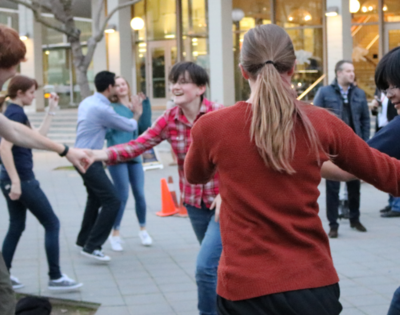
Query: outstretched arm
<point>127,151</point>
<point>332,172</point>
<point>45,126</point>
<point>23,136</point>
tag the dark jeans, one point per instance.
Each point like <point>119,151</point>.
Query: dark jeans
<point>97,224</point>
<point>332,201</point>
<point>394,308</point>
<point>209,236</point>
<point>122,175</point>
<point>317,301</point>
<point>7,298</point>
<point>32,199</point>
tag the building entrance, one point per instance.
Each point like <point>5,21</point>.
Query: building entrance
<point>161,56</point>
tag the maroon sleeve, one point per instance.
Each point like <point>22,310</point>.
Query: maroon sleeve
<point>198,166</point>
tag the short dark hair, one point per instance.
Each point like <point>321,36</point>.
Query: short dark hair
<point>339,64</point>
<point>197,74</point>
<point>388,70</point>
<point>12,49</point>
<point>103,80</point>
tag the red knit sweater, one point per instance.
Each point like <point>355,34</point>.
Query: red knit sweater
<point>273,240</point>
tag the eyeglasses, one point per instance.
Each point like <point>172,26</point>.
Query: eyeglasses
<point>389,90</point>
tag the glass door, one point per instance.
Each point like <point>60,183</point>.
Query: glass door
<point>392,36</point>
<point>162,56</point>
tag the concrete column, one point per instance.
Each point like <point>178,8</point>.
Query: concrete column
<point>221,51</point>
<point>33,67</point>
<point>339,40</point>
<point>100,54</point>
<point>119,44</point>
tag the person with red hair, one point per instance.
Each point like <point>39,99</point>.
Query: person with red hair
<point>12,52</point>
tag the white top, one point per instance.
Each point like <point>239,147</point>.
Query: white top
<point>382,116</point>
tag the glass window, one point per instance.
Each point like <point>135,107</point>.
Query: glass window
<point>56,74</point>
<point>365,56</point>
<point>139,13</point>
<point>308,46</point>
<point>141,66</point>
<point>50,36</point>
<point>161,19</point>
<point>364,11</point>
<point>394,38</point>
<point>194,18</point>
<point>86,29</point>
<point>294,13</point>
<point>10,19</point>
<point>391,10</point>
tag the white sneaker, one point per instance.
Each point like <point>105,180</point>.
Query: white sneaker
<point>116,242</point>
<point>16,284</point>
<point>96,254</point>
<point>145,238</point>
<point>64,284</point>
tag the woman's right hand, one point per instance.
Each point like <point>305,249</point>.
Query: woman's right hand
<point>53,102</point>
<point>15,191</point>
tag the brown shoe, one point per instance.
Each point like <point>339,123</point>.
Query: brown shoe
<point>333,233</point>
<point>358,226</point>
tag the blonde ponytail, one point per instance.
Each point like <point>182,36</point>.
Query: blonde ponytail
<point>266,54</point>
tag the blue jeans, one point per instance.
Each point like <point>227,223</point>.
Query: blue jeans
<point>123,174</point>
<point>394,203</point>
<point>209,236</point>
<point>394,308</point>
<point>34,200</point>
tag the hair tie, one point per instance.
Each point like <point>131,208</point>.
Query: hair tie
<point>271,62</point>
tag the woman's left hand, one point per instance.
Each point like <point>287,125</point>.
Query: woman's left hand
<point>217,205</point>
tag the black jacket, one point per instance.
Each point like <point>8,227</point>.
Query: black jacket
<point>329,97</point>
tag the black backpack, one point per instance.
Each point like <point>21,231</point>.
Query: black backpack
<point>32,305</point>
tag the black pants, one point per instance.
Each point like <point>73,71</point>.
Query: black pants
<point>96,223</point>
<point>332,201</point>
<point>318,301</point>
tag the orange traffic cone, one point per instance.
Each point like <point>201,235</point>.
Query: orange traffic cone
<point>168,204</point>
<point>182,210</point>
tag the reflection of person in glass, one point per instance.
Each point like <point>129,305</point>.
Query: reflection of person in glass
<point>22,191</point>
<point>269,152</point>
<point>188,85</point>
<point>131,172</point>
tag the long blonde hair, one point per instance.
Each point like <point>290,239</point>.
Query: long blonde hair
<point>267,53</point>
<point>115,98</point>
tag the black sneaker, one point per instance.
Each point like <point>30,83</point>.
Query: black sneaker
<point>64,284</point>
<point>386,209</point>
<point>333,233</point>
<point>96,254</point>
<point>358,226</point>
<point>390,214</point>
<point>16,284</point>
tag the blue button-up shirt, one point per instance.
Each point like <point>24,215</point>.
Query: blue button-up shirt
<point>95,115</point>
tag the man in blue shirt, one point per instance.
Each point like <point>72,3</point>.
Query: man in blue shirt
<point>95,116</point>
<point>349,103</point>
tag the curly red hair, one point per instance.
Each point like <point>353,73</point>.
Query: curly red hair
<point>12,49</point>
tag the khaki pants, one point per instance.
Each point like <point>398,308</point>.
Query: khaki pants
<point>7,298</point>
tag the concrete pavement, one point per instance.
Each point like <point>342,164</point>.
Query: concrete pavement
<point>160,279</point>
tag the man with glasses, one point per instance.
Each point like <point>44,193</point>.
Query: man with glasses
<point>349,103</point>
<point>95,116</point>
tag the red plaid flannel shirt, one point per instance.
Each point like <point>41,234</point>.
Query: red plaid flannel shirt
<point>175,128</point>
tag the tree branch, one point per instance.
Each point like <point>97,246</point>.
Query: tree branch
<point>99,11</point>
<point>35,7</point>
<point>99,36</point>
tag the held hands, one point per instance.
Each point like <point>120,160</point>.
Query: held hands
<point>15,191</point>
<point>80,158</point>
<point>217,205</point>
<point>53,102</point>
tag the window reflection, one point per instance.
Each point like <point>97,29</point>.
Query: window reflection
<point>391,10</point>
<point>294,13</point>
<point>364,11</point>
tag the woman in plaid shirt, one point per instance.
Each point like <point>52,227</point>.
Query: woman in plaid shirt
<point>188,85</point>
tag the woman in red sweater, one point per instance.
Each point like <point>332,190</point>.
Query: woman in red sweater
<point>276,258</point>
